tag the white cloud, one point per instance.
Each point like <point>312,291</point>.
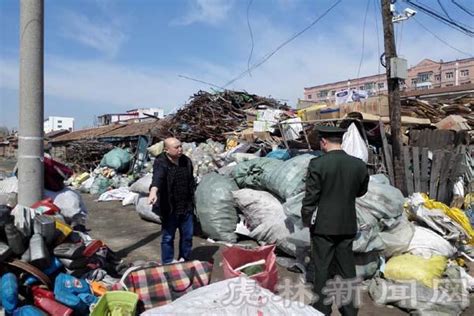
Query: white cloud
<point>205,11</point>
<point>105,36</point>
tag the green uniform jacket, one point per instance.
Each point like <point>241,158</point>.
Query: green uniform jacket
<point>333,182</point>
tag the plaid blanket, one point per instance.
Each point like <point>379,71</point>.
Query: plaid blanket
<point>158,285</point>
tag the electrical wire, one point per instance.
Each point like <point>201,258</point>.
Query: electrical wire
<point>251,37</point>
<point>363,38</point>
<point>279,47</point>
<point>201,81</point>
<point>376,14</point>
<point>442,19</point>
<point>440,39</point>
<point>463,8</point>
<point>444,10</point>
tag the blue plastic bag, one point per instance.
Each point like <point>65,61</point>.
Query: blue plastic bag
<point>29,310</point>
<point>9,287</point>
<point>281,154</point>
<point>67,289</point>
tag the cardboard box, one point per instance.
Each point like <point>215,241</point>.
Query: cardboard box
<point>453,122</point>
<point>377,105</point>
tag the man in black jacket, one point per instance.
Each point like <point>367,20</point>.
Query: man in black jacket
<point>172,197</point>
<point>333,182</point>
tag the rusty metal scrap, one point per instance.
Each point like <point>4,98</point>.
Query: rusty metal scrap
<point>210,115</point>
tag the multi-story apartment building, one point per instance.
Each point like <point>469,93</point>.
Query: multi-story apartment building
<point>131,115</point>
<point>56,123</point>
<point>427,74</point>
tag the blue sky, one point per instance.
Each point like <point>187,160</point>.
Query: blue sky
<point>106,56</point>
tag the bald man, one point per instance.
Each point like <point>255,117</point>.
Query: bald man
<point>172,196</point>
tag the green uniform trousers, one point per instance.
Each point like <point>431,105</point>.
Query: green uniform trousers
<point>331,256</point>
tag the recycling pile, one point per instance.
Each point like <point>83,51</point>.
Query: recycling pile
<point>49,265</point>
<point>211,115</point>
<point>398,240</point>
<point>86,154</point>
<point>436,110</point>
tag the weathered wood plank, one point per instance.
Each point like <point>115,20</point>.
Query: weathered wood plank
<point>416,169</point>
<point>408,173</point>
<point>435,171</point>
<point>446,166</point>
<point>425,177</point>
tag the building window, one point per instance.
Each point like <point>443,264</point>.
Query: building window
<point>369,85</point>
<point>60,126</point>
<point>438,77</point>
<point>467,82</point>
<point>333,92</point>
<point>449,75</point>
<point>423,76</point>
<point>464,72</point>
<point>310,96</point>
<point>381,85</point>
<point>413,82</point>
<point>323,93</point>
<point>449,85</point>
<point>59,121</point>
<point>361,88</point>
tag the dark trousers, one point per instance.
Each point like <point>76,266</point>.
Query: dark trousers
<point>169,225</point>
<point>332,255</point>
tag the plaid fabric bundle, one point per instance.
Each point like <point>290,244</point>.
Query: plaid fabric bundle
<point>160,285</point>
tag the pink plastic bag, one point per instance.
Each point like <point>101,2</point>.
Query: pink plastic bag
<point>234,257</point>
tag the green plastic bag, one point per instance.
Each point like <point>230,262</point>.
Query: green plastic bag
<point>117,159</point>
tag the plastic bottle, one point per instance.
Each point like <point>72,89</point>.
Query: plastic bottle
<point>52,307</point>
<point>15,239</point>
<point>39,255</point>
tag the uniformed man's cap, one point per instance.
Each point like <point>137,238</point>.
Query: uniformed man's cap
<point>330,131</point>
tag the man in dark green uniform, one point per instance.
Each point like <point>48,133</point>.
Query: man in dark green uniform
<point>333,182</point>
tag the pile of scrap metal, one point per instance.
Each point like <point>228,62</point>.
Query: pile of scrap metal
<point>211,115</point>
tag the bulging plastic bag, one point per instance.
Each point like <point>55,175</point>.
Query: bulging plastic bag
<point>289,178</point>
<point>117,159</point>
<point>408,267</point>
<point>264,215</point>
<point>249,174</point>
<point>71,205</point>
<point>142,185</point>
<point>145,210</point>
<point>215,207</point>
<point>235,257</point>
<point>354,145</point>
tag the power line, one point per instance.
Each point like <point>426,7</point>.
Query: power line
<point>444,10</point>
<point>463,8</point>
<point>251,37</point>
<point>363,38</point>
<point>442,19</point>
<point>268,56</point>
<point>440,39</point>
<point>197,80</point>
<point>449,18</point>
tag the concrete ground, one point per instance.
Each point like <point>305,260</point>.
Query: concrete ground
<point>135,239</point>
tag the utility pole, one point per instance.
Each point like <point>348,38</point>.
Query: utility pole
<point>30,135</point>
<point>393,97</point>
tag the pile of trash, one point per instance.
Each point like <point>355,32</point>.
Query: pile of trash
<point>211,115</point>
<point>399,240</point>
<point>49,264</point>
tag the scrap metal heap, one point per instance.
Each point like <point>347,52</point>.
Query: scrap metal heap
<point>210,115</point>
